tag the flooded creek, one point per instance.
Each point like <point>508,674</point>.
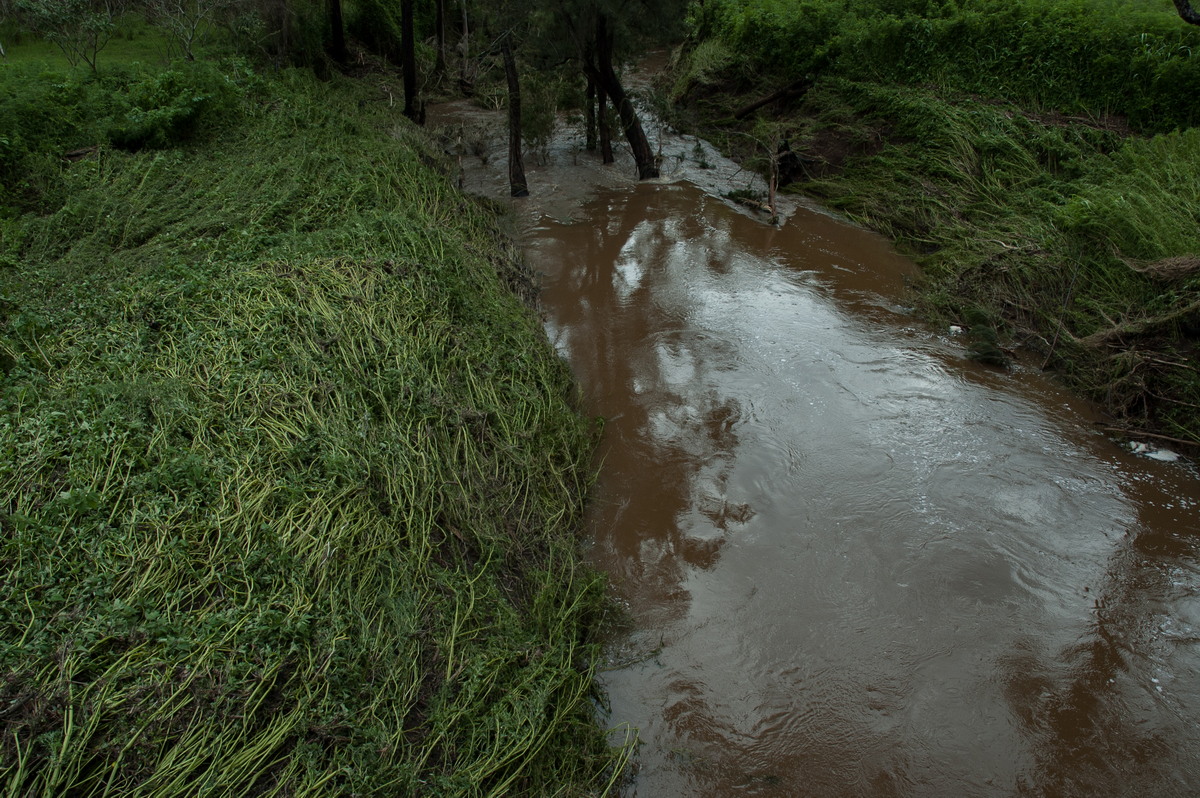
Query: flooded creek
<point>854,562</point>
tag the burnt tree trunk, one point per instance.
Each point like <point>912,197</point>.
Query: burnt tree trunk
<point>516,162</point>
<point>647,165</point>
<point>337,33</point>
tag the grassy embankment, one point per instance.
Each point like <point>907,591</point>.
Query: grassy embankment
<point>289,477</point>
<point>1039,159</point>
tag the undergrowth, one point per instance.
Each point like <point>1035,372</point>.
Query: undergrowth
<point>1098,57</point>
<point>289,477</point>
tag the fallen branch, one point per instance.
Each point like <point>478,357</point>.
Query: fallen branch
<point>1140,327</point>
<point>792,91</point>
<point>1167,269</point>
<point>1139,434</point>
<point>80,154</point>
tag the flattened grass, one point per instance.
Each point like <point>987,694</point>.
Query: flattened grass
<point>289,479</point>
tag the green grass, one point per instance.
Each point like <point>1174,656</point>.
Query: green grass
<point>289,478</point>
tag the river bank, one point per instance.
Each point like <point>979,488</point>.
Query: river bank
<point>1063,239</point>
<point>292,480</point>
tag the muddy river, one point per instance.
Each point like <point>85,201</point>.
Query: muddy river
<point>854,562</point>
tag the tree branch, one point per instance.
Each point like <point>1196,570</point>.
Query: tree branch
<point>1186,12</point>
<point>1138,327</point>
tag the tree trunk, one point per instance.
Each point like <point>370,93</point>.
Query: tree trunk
<point>589,115</point>
<point>337,34</point>
<point>516,162</point>
<point>408,61</point>
<point>439,30</point>
<point>642,154</point>
<point>464,45</point>
<point>606,152</point>
<point>1187,13</point>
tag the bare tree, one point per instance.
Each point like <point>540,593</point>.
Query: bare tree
<point>80,28</point>
<point>465,81</point>
<point>337,33</point>
<point>413,108</point>
<point>439,33</point>
<point>185,20</point>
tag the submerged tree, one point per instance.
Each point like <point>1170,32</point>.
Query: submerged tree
<point>602,125</point>
<point>603,72</point>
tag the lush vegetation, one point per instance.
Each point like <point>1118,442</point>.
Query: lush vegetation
<point>1038,158</point>
<point>289,476</point>
<point>1128,57</point>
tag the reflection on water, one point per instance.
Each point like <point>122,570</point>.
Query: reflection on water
<point>855,563</point>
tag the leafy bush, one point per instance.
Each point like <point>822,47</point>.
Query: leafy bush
<point>169,107</point>
<point>42,115</point>
<point>45,114</point>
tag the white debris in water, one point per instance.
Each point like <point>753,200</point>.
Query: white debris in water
<point>1154,453</point>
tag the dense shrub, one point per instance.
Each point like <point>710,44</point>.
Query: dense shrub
<point>168,107</point>
<point>44,115</point>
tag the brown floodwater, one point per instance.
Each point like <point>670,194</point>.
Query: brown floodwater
<point>854,562</point>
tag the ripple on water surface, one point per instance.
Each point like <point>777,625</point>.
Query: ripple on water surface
<point>857,564</point>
